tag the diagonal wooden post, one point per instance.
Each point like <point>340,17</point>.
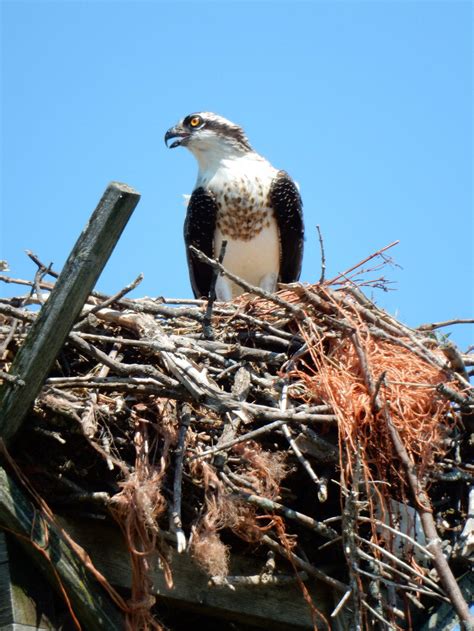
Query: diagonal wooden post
<point>48,333</point>
<point>65,567</point>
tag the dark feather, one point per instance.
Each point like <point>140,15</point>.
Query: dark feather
<point>199,228</point>
<point>288,207</point>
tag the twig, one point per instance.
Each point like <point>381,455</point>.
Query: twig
<point>363,262</point>
<point>11,378</point>
<point>28,283</point>
<point>258,579</point>
<point>304,565</point>
<point>40,272</point>
<point>265,429</point>
<point>88,421</point>
<point>219,351</point>
<point>119,367</point>
<point>377,615</point>
<point>19,314</point>
<point>323,257</point>
<point>350,514</point>
<point>452,395</point>
<point>455,359</point>
<point>48,269</point>
<point>240,390</point>
<point>176,524</point>
<point>341,603</point>
<point>437,325</point>
<point>6,342</point>
<point>134,385</point>
<point>398,562</point>
<point>410,586</point>
<point>465,543</point>
<point>422,501</point>
<point>270,505</point>
<point>294,447</point>
<point>46,432</point>
<point>207,320</point>
<point>295,311</point>
<point>398,533</point>
<point>110,300</point>
<point>231,310</point>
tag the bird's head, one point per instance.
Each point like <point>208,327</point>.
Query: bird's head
<point>207,136</point>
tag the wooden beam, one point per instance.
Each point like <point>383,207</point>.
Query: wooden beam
<point>48,333</point>
<point>57,561</point>
<point>25,601</point>
<point>279,608</point>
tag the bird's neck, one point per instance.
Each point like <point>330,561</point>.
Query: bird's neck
<point>212,157</point>
<point>214,164</point>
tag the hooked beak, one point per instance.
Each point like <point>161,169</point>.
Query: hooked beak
<point>176,132</point>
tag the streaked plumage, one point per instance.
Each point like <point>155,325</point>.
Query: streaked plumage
<point>240,197</point>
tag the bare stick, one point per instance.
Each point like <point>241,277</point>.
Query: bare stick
<point>115,298</point>
<point>368,258</point>
<point>377,615</point>
<point>41,265</point>
<point>323,256</point>
<point>455,359</point>
<point>258,579</point>
<point>28,283</point>
<point>240,390</point>
<point>5,344</point>
<point>422,500</point>
<point>398,562</point>
<point>265,429</point>
<point>176,524</point>
<point>350,514</point>
<point>437,325</point>
<point>207,321</point>
<point>304,565</point>
<point>410,585</point>
<point>11,378</point>
<point>297,312</point>
<point>40,272</point>
<point>397,533</point>
<point>19,314</point>
<point>88,418</point>
<point>119,367</point>
<point>465,543</point>
<point>270,505</point>
<point>294,447</point>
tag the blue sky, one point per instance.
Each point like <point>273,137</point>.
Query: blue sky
<point>368,105</point>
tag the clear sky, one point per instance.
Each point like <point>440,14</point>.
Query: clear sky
<point>368,105</point>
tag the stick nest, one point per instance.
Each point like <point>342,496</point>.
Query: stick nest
<point>257,426</point>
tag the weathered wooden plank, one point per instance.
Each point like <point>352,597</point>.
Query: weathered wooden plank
<point>20,627</point>
<point>268,607</point>
<point>25,601</point>
<point>48,333</point>
<point>54,557</point>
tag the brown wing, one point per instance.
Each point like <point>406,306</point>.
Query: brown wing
<point>288,207</point>
<point>199,228</point>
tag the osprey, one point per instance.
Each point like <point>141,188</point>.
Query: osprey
<point>241,198</point>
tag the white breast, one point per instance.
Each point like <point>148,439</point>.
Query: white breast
<point>257,261</point>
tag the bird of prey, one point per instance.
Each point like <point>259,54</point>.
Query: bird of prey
<point>241,198</point>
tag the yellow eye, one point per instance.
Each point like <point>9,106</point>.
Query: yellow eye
<point>195,121</point>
